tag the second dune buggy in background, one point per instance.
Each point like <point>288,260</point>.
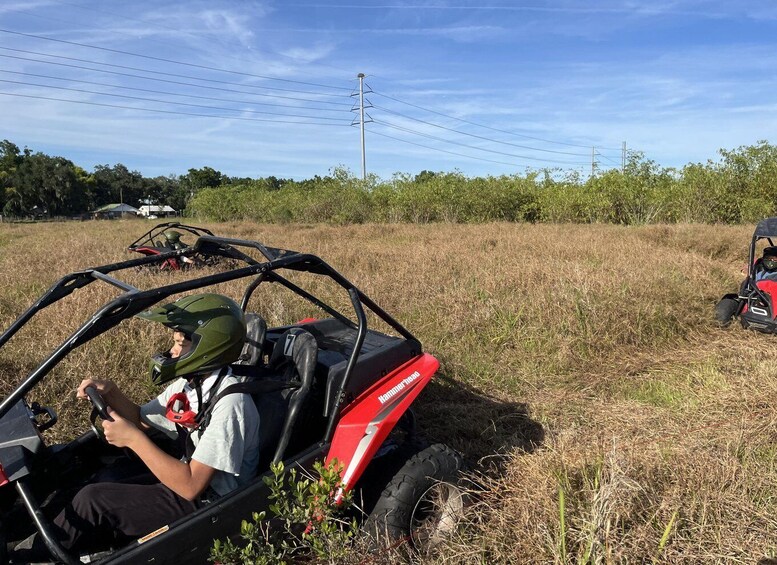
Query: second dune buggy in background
<point>169,236</point>
<point>756,302</point>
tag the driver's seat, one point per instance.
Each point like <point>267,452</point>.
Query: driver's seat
<point>293,362</point>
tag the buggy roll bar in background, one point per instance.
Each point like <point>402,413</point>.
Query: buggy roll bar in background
<point>134,301</point>
<point>756,239</point>
<point>765,229</point>
<point>160,228</point>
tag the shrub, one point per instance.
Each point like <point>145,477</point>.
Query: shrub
<point>742,187</point>
<point>306,521</point>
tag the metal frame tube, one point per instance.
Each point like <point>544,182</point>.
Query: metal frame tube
<point>43,525</point>
<point>361,333</point>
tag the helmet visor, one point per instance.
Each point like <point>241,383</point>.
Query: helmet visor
<point>174,317</point>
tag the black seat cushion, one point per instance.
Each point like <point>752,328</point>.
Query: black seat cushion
<point>296,350</point>
<point>253,349</point>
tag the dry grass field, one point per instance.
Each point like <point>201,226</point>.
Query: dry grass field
<point>610,420</point>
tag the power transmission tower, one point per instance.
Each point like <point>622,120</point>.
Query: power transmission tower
<point>360,120</point>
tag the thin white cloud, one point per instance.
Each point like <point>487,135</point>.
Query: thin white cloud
<point>26,6</point>
<point>311,54</point>
<point>455,32</point>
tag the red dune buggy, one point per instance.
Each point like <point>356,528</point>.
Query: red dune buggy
<point>170,236</point>
<point>756,302</point>
<point>329,387</point>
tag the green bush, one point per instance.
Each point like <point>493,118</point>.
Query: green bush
<point>741,187</point>
<point>306,522</point>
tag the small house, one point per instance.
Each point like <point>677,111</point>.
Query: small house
<point>155,211</point>
<point>113,211</point>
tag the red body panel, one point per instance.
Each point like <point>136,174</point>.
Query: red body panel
<point>147,250</point>
<point>770,288</point>
<point>369,419</point>
<point>3,477</point>
<point>169,264</point>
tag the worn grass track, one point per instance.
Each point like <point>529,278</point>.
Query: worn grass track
<point>580,367</point>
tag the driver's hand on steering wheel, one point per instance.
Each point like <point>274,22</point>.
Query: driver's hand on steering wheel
<point>120,432</point>
<point>104,387</point>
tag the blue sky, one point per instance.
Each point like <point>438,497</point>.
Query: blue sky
<point>258,88</point>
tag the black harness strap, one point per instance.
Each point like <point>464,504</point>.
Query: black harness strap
<point>247,387</point>
<point>204,415</point>
<point>184,434</point>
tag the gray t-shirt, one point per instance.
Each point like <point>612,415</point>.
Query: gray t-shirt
<point>230,443</point>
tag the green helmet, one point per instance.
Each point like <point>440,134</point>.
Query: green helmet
<point>216,327</point>
<point>172,236</point>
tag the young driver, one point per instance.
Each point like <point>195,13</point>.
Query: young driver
<point>219,440</point>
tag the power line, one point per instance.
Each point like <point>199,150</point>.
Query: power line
<point>122,87</point>
<point>158,111</point>
<point>408,130</point>
<point>484,126</point>
<point>168,74</point>
<point>168,81</point>
<point>478,136</point>
<point>161,59</point>
<point>608,159</point>
<point>387,124</point>
<point>142,99</point>
<point>443,150</point>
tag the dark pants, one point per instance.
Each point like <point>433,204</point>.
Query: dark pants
<point>108,514</point>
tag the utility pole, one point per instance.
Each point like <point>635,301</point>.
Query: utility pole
<point>361,124</point>
<point>623,158</point>
<point>360,108</point>
<point>593,161</point>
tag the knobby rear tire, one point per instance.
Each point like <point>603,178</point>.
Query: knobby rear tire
<point>423,501</point>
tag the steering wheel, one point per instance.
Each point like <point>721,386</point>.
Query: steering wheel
<point>99,408</point>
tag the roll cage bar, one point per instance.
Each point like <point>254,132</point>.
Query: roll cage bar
<point>133,301</point>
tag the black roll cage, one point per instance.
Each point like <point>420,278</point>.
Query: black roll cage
<point>766,229</point>
<point>134,301</point>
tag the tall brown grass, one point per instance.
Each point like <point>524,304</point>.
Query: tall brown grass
<point>611,420</point>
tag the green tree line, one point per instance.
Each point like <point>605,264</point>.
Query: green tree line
<point>740,186</point>
<point>39,185</point>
